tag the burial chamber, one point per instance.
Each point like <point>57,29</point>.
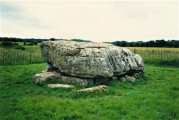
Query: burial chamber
<point>87,63</point>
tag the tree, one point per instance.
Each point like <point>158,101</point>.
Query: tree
<point>52,39</point>
<point>6,43</point>
<point>151,43</point>
<point>123,43</point>
<point>24,42</point>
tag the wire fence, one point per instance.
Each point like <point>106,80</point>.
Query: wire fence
<point>11,57</point>
<point>161,55</point>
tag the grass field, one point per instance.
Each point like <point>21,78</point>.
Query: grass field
<point>155,96</point>
<point>34,47</point>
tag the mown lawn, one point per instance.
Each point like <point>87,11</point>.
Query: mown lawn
<point>155,96</point>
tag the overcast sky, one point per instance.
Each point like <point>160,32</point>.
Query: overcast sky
<point>99,21</point>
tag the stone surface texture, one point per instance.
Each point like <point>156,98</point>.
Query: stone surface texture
<point>40,78</point>
<point>89,62</point>
<point>60,86</point>
<point>92,89</point>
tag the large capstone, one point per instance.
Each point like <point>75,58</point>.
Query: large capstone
<point>91,61</point>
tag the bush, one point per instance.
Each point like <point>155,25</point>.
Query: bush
<point>20,48</point>
<point>52,39</point>
<point>15,44</point>
<point>30,43</point>
<point>6,44</point>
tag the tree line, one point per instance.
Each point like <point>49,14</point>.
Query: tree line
<point>151,43</point>
<point>13,39</point>
<point>123,43</point>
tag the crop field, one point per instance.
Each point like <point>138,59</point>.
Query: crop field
<point>154,49</point>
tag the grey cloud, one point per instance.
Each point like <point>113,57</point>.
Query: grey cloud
<point>5,7</point>
<point>8,10</point>
<point>18,15</point>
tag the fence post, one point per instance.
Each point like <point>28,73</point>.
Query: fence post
<point>4,53</point>
<point>2,57</point>
<point>30,56</point>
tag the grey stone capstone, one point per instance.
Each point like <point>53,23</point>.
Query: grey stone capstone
<point>90,60</point>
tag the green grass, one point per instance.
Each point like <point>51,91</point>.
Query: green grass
<point>154,96</point>
<point>33,47</point>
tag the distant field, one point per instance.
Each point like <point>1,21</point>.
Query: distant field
<point>153,48</point>
<point>34,47</point>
